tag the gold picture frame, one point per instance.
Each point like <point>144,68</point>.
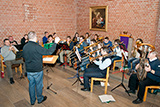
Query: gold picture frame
<point>99,18</point>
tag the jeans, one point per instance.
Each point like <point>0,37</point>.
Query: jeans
<point>35,86</point>
<point>134,61</point>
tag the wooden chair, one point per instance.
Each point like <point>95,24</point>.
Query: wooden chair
<point>114,63</point>
<point>101,79</point>
<point>13,66</point>
<point>146,90</point>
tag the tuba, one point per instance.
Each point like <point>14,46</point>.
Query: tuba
<point>138,43</point>
<point>141,73</point>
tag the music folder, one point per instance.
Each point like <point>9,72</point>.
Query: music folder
<point>49,59</point>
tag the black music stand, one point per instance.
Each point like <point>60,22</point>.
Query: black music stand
<point>77,74</point>
<point>50,61</point>
<point>121,84</point>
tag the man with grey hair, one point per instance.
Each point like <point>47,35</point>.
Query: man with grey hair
<point>32,53</point>
<point>8,52</point>
<point>153,77</point>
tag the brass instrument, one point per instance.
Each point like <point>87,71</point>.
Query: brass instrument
<point>94,58</point>
<point>141,73</point>
<point>13,50</point>
<point>138,43</point>
<point>78,45</point>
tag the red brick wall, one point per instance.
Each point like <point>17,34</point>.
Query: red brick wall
<point>18,17</point>
<point>65,17</point>
<point>157,42</point>
<point>138,17</point>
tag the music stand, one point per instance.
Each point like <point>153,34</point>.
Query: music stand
<point>49,59</point>
<point>77,74</point>
<point>123,75</point>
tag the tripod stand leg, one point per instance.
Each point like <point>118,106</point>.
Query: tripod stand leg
<point>75,81</point>
<point>116,87</point>
<point>48,86</point>
<point>125,89</point>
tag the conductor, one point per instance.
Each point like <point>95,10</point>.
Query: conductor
<point>32,53</point>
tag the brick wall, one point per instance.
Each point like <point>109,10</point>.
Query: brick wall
<point>138,17</point>
<point>18,17</point>
<point>65,17</point>
<point>157,41</point>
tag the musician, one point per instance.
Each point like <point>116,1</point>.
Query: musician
<point>82,44</point>
<point>32,53</point>
<point>24,40</point>
<point>99,71</point>
<point>136,57</point>
<point>68,46</point>
<point>8,53</point>
<point>76,37</point>
<point>85,60</point>
<point>107,43</point>
<point>49,42</point>
<point>12,41</point>
<point>153,77</point>
<point>44,39</point>
<point>116,50</point>
<point>96,36</point>
<point>88,40</point>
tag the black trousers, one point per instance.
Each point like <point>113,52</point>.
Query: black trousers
<point>92,72</point>
<point>134,83</point>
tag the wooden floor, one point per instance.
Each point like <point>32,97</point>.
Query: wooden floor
<point>17,95</point>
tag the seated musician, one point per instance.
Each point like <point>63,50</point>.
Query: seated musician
<point>12,41</point>
<point>117,51</point>
<point>91,51</point>
<point>45,38</point>
<point>88,40</point>
<point>107,43</point>
<point>8,52</point>
<point>67,47</point>
<point>99,71</point>
<point>136,53</point>
<point>24,40</point>
<point>49,42</point>
<point>82,44</point>
<point>76,36</point>
<point>153,77</point>
<point>96,37</point>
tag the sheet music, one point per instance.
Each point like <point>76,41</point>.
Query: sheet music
<point>78,55</point>
<point>106,98</point>
<point>48,59</point>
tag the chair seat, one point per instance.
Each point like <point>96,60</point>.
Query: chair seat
<point>101,79</point>
<point>146,90</point>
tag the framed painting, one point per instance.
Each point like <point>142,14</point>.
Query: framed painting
<point>98,18</point>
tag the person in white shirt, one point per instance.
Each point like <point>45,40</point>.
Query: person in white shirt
<point>99,71</point>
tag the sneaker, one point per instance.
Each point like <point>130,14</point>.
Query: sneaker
<point>44,99</point>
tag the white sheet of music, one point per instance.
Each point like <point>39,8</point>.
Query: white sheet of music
<point>48,59</point>
<point>78,54</point>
